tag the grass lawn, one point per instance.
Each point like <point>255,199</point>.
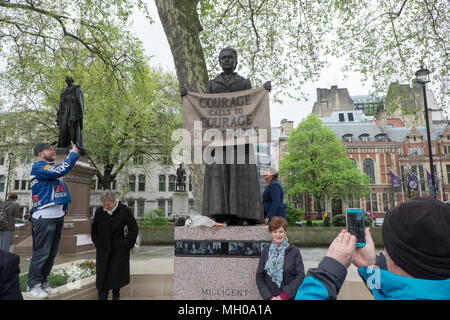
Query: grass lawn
<point>53,280</point>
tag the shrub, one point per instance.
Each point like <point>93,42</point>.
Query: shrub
<point>155,218</point>
<point>339,221</point>
<point>293,215</point>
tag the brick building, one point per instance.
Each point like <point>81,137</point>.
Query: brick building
<point>385,140</point>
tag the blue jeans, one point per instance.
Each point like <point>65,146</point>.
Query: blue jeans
<point>46,236</point>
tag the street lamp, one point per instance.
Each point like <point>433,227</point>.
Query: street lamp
<point>423,77</point>
<point>10,154</point>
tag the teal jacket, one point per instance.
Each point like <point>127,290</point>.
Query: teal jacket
<point>325,281</point>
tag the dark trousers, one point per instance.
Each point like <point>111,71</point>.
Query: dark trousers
<point>46,236</point>
<point>103,294</point>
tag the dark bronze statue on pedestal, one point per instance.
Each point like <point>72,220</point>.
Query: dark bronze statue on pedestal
<point>181,179</point>
<point>70,117</point>
<point>231,192</point>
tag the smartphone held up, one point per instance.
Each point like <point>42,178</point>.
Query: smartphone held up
<point>355,225</point>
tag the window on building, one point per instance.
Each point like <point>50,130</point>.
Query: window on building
<point>415,150</point>
<point>130,204</point>
<point>114,185</point>
<point>350,116</point>
<point>341,117</point>
<point>353,201</point>
<point>2,157</point>
<point>446,149</point>
<point>347,137</point>
<point>142,182</point>
<point>140,209</point>
<point>447,167</point>
<point>162,205</point>
<point>162,183</point>
<point>190,183</point>
<point>353,161</point>
<point>191,205</point>
<point>385,202</point>
<point>388,201</point>
<point>132,182</point>
<point>16,184</point>
<point>172,181</point>
<point>391,200</point>
<point>169,207</point>
<point>138,160</point>
<point>374,203</point>
<point>2,183</point>
<point>381,137</point>
<point>364,137</point>
<point>369,169</point>
<point>371,203</point>
<point>93,183</point>
<point>23,185</point>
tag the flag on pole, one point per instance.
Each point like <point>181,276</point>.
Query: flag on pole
<point>436,180</point>
<point>429,178</point>
<point>395,180</point>
<point>412,182</point>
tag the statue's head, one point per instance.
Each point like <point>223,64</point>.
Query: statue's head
<point>69,80</point>
<point>228,58</point>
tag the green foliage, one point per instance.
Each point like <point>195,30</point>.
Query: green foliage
<point>293,215</point>
<point>339,221</point>
<point>154,218</point>
<point>317,163</point>
<point>381,39</point>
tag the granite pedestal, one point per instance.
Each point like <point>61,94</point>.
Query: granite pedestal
<point>218,263</point>
<point>180,202</point>
<point>76,235</point>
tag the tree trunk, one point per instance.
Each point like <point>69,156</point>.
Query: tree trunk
<point>182,27</point>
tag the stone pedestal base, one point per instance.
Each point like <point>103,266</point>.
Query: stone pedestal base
<point>218,263</point>
<point>76,235</point>
<point>180,203</point>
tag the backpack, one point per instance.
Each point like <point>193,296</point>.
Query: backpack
<point>4,206</point>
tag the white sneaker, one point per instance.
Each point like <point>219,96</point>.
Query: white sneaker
<point>36,292</point>
<point>49,290</point>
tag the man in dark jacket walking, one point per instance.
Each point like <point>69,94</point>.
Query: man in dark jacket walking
<point>114,232</point>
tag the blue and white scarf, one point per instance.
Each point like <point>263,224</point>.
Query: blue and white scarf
<point>275,262</point>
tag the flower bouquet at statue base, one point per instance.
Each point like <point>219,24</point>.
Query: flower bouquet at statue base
<point>197,220</point>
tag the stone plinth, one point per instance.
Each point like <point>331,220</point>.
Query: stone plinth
<point>76,235</point>
<point>218,263</point>
<point>180,203</point>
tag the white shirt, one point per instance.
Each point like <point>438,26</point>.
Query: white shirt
<point>49,212</point>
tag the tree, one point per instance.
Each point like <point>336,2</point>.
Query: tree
<point>31,27</point>
<point>124,117</point>
<point>317,163</point>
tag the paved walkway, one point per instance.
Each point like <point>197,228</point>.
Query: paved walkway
<point>158,260</point>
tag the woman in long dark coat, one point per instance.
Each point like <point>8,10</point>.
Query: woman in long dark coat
<point>114,232</point>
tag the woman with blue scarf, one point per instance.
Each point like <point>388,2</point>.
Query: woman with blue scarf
<point>280,271</point>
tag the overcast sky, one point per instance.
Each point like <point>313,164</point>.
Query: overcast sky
<point>156,45</point>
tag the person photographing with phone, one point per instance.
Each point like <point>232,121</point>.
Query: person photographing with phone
<point>50,197</point>
<point>415,264</point>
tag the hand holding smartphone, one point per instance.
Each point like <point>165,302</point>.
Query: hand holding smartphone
<point>355,225</point>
